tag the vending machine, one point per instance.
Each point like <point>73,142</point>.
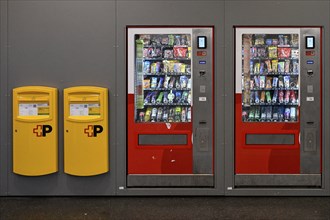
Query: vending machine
<point>170,107</point>
<point>278,107</point>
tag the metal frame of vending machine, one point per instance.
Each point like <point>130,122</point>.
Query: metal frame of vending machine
<point>278,109</point>
<point>170,107</point>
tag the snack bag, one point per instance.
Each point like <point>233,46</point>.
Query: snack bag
<point>269,66</point>
<point>256,68</point>
<point>268,82</point>
<point>272,52</point>
<point>153,82</point>
<point>294,40</point>
<point>168,54</point>
<point>295,54</point>
<point>183,68</point>
<point>262,82</point>
<point>146,83</point>
<point>259,40</point>
<point>183,81</point>
<point>287,81</point>
<point>180,52</point>
<point>283,52</point>
<point>146,66</point>
<point>274,66</point>
<point>287,66</point>
<point>280,67</point>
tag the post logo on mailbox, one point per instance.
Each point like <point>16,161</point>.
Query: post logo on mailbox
<point>93,130</point>
<point>42,130</point>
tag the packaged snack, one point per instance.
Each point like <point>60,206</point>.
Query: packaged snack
<point>170,40</point>
<point>244,115</point>
<point>168,54</point>
<point>183,40</point>
<point>160,82</point>
<point>287,97</point>
<point>165,40</point>
<point>251,97</point>
<point>287,66</point>
<point>166,81</point>
<point>274,66</point>
<point>183,81</point>
<point>257,113</point>
<point>253,52</point>
<point>171,66</point>
<point>292,97</point>
<point>275,114</point>
<point>261,71</point>
<point>294,40</point>
<point>148,114</point>
<point>177,67</point>
<point>153,82</point>
<point>259,40</point>
<point>287,82</point>
<point>165,100</point>
<point>157,53</point>
<point>275,42</point>
<point>184,98</point>
<point>287,114</point>
<point>177,83</point>
<point>281,96</point>
<point>251,115</point>
<point>251,67</point>
<point>141,116</point>
<point>269,42</point>
<point>275,82</point>
<point>165,114</point>
<point>283,52</point>
<point>295,53</point>
<point>177,114</point>
<point>153,68</point>
<point>281,113</point>
<point>148,97</point>
<point>261,52</point>
<point>280,67</point>
<point>294,82</point>
<point>154,115</point>
<point>145,38</point>
<point>183,115</point>
<point>154,97</point>
<point>183,68</point>
<point>159,114</point>
<point>177,40</point>
<point>171,115</point>
<point>256,68</point>
<point>256,97</point>
<point>160,97</point>
<point>251,84</point>
<point>286,40</point>
<point>145,52</point>
<point>281,39</point>
<point>262,82</point>
<point>146,66</point>
<point>280,82</point>
<point>188,68</point>
<point>188,37</point>
<point>268,82</point>
<point>146,83</point>
<point>269,113</point>
<point>268,97</point>
<point>170,97</point>
<point>262,97</point>
<point>172,82</point>
<point>272,52</point>
<point>269,66</point>
<point>295,66</point>
<point>275,95</point>
<point>180,52</point>
<point>263,114</point>
<point>189,98</point>
<point>257,81</point>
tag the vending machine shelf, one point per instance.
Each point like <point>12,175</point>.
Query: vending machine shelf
<point>167,74</point>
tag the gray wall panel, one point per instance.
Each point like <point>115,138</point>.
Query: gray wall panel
<point>170,13</point>
<point>3,99</point>
<point>62,44</point>
<point>282,13</point>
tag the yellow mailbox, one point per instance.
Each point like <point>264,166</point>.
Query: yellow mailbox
<point>86,148</point>
<point>35,145</point>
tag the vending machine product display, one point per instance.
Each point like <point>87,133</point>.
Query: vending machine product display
<point>278,107</point>
<point>170,88</point>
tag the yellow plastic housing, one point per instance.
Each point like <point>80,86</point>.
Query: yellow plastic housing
<point>86,142</point>
<point>35,131</point>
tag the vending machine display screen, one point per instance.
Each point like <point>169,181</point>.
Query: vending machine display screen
<point>310,42</point>
<point>201,42</point>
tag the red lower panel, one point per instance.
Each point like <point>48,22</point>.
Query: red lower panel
<point>157,159</point>
<point>264,159</point>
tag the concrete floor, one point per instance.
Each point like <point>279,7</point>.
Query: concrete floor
<point>157,208</point>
